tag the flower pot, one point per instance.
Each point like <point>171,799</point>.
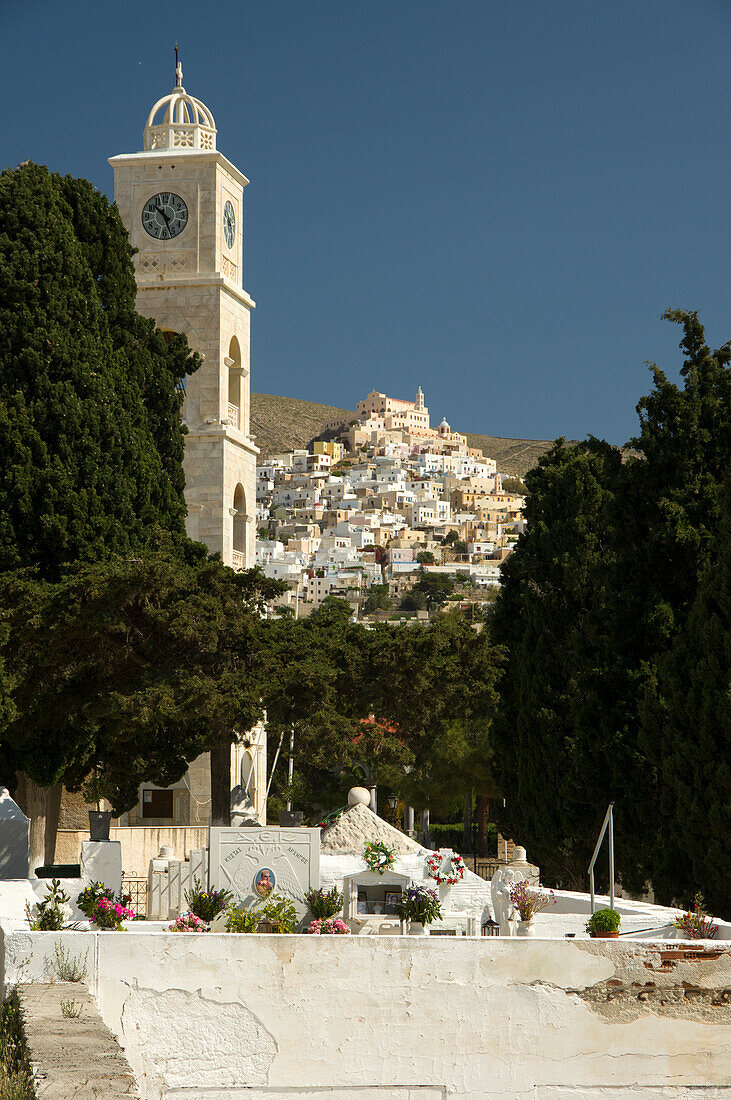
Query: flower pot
<point>416,928</point>
<point>99,822</point>
<point>268,926</point>
<point>604,935</point>
<point>526,928</point>
<point>290,819</point>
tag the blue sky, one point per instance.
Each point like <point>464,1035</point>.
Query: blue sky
<point>494,200</point>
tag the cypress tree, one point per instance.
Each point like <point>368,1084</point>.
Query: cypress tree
<point>550,761</point>
<point>91,441</point>
<point>686,725</point>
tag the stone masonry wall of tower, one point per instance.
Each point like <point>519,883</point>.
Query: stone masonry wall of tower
<point>182,204</point>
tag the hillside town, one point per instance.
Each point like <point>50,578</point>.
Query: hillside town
<point>379,501</point>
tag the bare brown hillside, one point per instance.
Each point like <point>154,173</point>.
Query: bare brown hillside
<point>281,423</point>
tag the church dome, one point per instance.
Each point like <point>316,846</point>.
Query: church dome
<point>180,121</point>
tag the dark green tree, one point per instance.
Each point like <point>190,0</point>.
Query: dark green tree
<point>430,592</point>
<point>91,459</point>
<point>126,670</point>
<point>686,727</point>
<point>377,599</point>
<point>382,702</point>
<point>550,765</point>
<point>595,596</point>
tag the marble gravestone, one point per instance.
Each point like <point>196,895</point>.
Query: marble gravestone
<point>252,862</point>
<point>14,838</point>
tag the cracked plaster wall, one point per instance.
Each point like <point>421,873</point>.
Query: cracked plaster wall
<point>288,1018</point>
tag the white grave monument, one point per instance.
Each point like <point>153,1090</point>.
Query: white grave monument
<point>252,863</point>
<point>14,838</point>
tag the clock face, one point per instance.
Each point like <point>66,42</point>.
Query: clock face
<point>164,216</point>
<point>229,224</point>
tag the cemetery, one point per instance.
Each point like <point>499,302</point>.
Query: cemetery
<point>480,997</point>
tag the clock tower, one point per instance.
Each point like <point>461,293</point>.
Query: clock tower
<point>182,204</point>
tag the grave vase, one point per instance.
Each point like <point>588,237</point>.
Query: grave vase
<point>526,927</point>
<point>99,822</point>
<point>416,928</point>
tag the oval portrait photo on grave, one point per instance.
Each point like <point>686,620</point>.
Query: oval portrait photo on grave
<point>264,882</point>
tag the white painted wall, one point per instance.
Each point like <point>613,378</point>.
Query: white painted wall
<point>361,1018</point>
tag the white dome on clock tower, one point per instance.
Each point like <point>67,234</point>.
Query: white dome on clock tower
<point>180,121</point>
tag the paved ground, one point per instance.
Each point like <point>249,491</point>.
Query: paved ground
<point>75,1058</point>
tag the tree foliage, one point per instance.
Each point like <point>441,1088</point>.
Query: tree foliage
<point>92,449</point>
<point>381,701</point>
<point>596,595</point>
<point>126,670</point>
<point>686,727</point>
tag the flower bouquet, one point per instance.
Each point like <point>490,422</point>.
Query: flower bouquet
<point>324,903</point>
<point>108,915</point>
<point>696,923</point>
<point>188,922</point>
<point>418,905</point>
<point>332,926</point>
<point>90,895</point>
<point>207,904</point>
<point>529,901</point>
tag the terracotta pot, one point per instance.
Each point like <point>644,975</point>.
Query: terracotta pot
<point>604,935</point>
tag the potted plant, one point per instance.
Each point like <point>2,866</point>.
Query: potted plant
<point>332,926</point>
<point>188,922</point>
<point>418,907</point>
<point>207,904</point>
<point>242,920</point>
<point>52,912</point>
<point>277,914</point>
<point>604,924</point>
<point>108,915</point>
<point>696,924</point>
<point>323,904</point>
<point>90,895</point>
<point>529,901</point>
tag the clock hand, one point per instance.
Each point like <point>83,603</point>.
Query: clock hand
<point>161,210</point>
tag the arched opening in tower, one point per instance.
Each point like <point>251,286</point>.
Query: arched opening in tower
<point>233,362</point>
<point>239,531</point>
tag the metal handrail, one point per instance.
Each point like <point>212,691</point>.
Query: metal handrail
<point>608,821</point>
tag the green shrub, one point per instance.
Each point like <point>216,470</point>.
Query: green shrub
<point>280,911</point>
<point>207,904</point>
<point>242,920</point>
<point>16,1081</point>
<point>604,920</point>
<point>324,903</point>
<point>90,895</point>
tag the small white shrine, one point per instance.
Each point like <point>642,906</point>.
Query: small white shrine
<point>369,896</point>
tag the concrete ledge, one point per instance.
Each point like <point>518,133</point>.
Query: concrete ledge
<point>73,1056</point>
